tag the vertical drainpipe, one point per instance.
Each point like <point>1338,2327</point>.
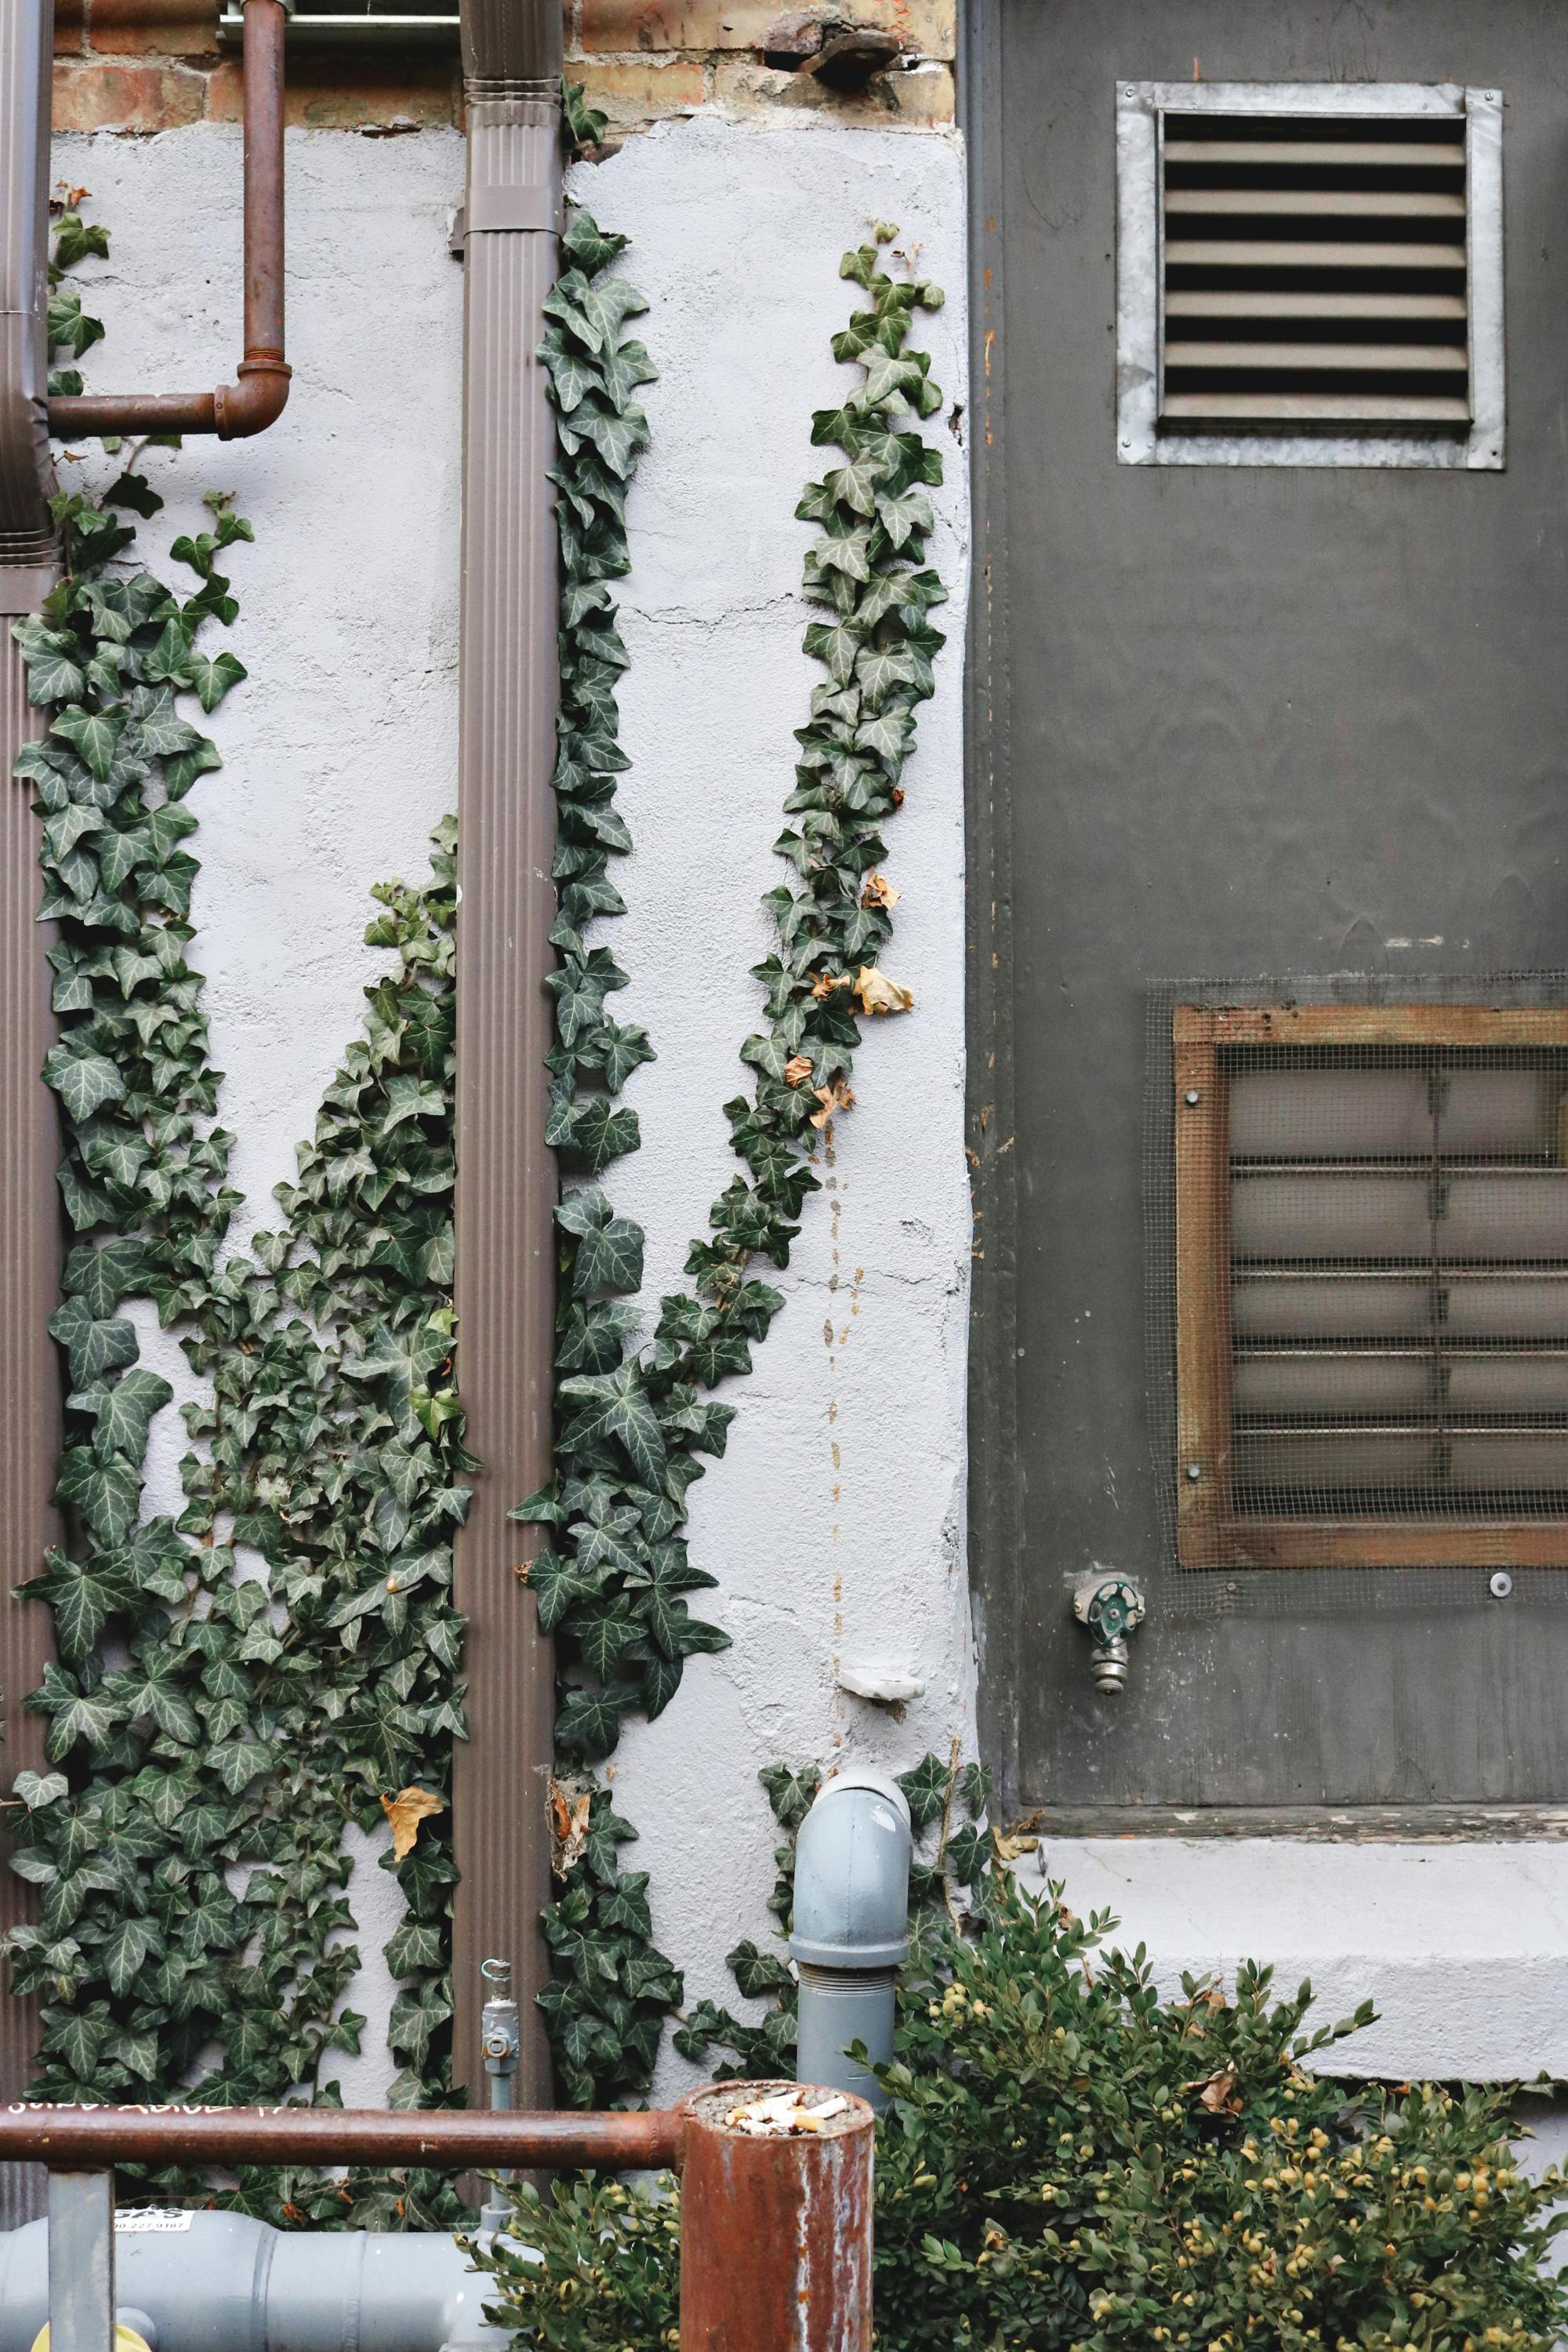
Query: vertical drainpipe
<point>506,1182</point>
<point>29,1201</point>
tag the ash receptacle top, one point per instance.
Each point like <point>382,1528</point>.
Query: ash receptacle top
<point>778,2111</point>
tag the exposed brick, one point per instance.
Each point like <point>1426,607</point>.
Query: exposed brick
<point>142,99</point>
<point>927,27</point>
<point>635,90</point>
<point>163,29</point>
<point>71,40</point>
<point>352,93</point>
<point>918,99</point>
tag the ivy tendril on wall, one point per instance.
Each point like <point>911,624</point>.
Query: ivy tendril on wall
<point>631,1421</point>
<point>235,1687</point>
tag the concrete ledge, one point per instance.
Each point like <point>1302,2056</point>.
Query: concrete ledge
<point>1463,1948</point>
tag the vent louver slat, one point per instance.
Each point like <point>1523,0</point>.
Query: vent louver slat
<point>1314,276</point>
<point>1399,1283</point>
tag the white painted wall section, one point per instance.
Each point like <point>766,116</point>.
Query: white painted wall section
<point>340,749</point>
<point>835,1523</point>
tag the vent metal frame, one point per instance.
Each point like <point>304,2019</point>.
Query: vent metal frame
<point>1141,110</point>
<point>1210,1530</point>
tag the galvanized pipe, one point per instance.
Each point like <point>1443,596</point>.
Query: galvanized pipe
<point>30,1399</point>
<point>506,1178</point>
<point>206,2281</point>
<point>775,2232</point>
<point>850,1928</point>
<point>234,410</point>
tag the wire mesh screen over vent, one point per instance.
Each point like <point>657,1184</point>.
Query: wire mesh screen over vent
<point>1371,1285</point>
<point>1308,274</point>
<point>1315,273</point>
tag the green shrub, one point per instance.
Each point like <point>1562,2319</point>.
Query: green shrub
<point>1071,2164</point>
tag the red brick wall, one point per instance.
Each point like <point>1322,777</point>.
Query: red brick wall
<point>142,66</point>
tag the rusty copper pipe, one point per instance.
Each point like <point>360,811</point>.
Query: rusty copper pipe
<point>256,401</point>
<point>89,2139</point>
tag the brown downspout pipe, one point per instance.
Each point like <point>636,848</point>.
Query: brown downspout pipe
<point>506,1185</point>
<point>256,401</point>
<point>29,1142</point>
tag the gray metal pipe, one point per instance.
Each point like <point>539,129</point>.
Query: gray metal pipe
<point>223,2283</point>
<point>851,1928</point>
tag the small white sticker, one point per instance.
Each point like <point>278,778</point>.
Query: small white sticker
<point>152,2220</point>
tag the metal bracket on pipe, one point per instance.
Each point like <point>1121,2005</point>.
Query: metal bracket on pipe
<point>505,209</point>
<point>81,2262</point>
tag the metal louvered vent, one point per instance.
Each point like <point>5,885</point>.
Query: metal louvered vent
<point>1315,273</point>
<point>1308,274</point>
<point>1373,1283</point>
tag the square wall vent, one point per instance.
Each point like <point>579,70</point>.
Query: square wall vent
<point>1308,274</point>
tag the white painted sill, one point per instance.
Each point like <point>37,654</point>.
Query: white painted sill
<point>1462,1948</point>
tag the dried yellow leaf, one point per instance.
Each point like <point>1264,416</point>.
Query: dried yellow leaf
<point>1009,1849</point>
<point>827,981</point>
<point>405,1812</point>
<point>569,1811</point>
<point>878,994</point>
<point>797,1069</point>
<point>836,1097</point>
<point>879,892</point>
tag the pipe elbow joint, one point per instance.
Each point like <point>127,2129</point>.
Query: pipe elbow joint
<point>256,401</point>
<point>852,1876</point>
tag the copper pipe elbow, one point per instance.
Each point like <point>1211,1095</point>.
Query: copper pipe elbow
<point>256,401</point>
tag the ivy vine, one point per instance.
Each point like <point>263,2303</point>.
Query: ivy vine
<point>233,1688</point>
<point>631,1420</point>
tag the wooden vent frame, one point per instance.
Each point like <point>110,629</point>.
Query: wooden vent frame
<point>1215,1528</point>
<point>1308,274</point>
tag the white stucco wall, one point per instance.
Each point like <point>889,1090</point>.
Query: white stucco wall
<point>834,1524</point>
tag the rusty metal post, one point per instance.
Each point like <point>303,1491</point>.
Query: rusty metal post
<point>775,2231</point>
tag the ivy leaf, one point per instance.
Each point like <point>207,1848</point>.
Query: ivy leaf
<point>589,1724</point>
<point>83,1596</point>
<point>557,1582</point>
<point>76,1715</point>
<point>790,1794</point>
<point>926,1788</point>
<point>92,1346</point>
<point>610,1248</point>
<point>94,733</point>
<point>211,677</point>
<point>83,1080</point>
<point>127,1952</point>
<point>601,1641</point>
<point>124,1412</point>
<point>617,1404</point>
<point>106,1493</point>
